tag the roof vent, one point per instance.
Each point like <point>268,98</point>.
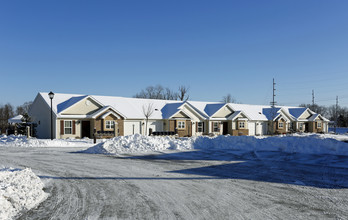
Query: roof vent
<point>260,113</point>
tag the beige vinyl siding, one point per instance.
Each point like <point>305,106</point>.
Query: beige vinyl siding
<point>223,112</point>
<point>83,107</point>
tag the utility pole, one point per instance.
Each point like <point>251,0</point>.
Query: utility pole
<point>273,103</point>
<point>313,98</point>
<point>336,113</point>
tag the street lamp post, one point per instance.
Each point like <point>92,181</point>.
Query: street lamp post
<point>51,95</point>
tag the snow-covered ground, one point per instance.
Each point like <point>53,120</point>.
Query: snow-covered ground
<point>23,141</point>
<point>20,191</point>
<point>299,143</point>
<point>224,177</point>
<point>191,184</point>
<point>339,130</point>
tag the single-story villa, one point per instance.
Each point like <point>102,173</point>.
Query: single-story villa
<point>78,116</point>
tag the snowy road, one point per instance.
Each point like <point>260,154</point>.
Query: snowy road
<point>219,184</point>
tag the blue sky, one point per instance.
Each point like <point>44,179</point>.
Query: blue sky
<point>214,47</point>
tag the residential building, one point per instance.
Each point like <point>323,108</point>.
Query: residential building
<point>78,116</point>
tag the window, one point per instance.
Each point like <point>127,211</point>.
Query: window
<point>301,126</point>
<point>318,124</point>
<point>241,124</point>
<point>200,127</point>
<point>280,124</point>
<point>181,124</point>
<point>216,127</point>
<point>67,127</point>
<point>109,124</point>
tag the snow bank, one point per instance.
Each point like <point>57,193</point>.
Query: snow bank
<point>313,144</point>
<point>20,190</point>
<point>139,143</point>
<point>23,141</point>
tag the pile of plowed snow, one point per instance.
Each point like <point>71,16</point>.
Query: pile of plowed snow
<point>313,144</point>
<point>23,141</point>
<point>139,143</point>
<point>20,190</point>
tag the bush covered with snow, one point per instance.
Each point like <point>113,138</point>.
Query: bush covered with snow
<point>20,190</point>
<point>23,141</point>
<point>313,144</point>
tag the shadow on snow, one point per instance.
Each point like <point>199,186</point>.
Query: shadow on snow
<point>322,171</point>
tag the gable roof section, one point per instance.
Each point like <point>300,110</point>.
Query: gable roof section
<point>236,114</point>
<point>171,109</point>
<point>68,103</point>
<point>297,112</point>
<point>104,109</point>
<point>211,109</point>
<point>227,105</point>
<point>315,116</point>
<point>271,113</point>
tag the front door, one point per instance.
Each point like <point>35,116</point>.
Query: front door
<point>225,128</point>
<point>86,129</point>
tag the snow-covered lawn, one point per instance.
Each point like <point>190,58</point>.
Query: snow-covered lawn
<point>20,190</point>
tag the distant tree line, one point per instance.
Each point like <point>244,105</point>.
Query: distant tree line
<point>7,111</point>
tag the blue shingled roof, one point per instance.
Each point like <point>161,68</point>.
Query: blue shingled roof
<point>270,113</point>
<point>210,109</point>
<point>66,104</point>
<point>297,112</point>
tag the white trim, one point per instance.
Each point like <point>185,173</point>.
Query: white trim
<point>181,108</point>
<point>65,127</point>
<point>181,122</point>
<point>73,116</point>
<point>110,113</point>
<point>105,108</point>
<point>236,114</point>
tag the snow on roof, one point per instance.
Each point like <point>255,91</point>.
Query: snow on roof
<point>132,108</point>
<point>253,111</point>
<point>15,119</point>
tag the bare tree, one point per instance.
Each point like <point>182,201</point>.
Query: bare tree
<point>228,99</point>
<point>23,109</point>
<point>6,112</point>
<point>147,111</point>
<point>156,92</point>
<point>170,95</point>
<point>183,93</point>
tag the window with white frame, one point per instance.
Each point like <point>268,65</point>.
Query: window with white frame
<point>109,124</point>
<point>280,124</point>
<point>181,125</point>
<point>318,124</point>
<point>200,127</point>
<point>241,124</point>
<point>216,127</point>
<point>67,127</point>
